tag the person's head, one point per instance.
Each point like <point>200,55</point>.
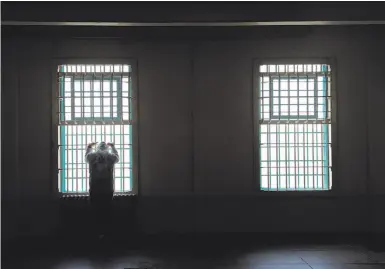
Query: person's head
<point>102,146</point>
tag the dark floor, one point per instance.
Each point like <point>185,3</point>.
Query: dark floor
<point>197,255</point>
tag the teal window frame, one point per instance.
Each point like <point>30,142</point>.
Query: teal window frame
<point>325,129</point>
<point>62,128</point>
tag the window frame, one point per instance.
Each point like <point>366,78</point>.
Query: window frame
<point>272,104</point>
<point>119,103</point>
<point>257,62</point>
<point>55,119</point>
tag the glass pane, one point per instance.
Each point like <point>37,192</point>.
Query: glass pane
<point>97,101</point>
<point>106,85</point>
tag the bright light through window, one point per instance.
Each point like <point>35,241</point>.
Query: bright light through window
<point>95,105</point>
<point>295,127</point>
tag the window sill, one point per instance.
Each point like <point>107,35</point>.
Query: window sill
<point>84,196</point>
<point>285,194</point>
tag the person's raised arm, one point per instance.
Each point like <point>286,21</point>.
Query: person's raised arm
<point>114,153</point>
<point>89,150</point>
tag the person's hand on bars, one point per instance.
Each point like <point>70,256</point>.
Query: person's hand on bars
<point>90,145</point>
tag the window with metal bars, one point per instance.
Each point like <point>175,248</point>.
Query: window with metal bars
<point>294,116</point>
<point>95,105</point>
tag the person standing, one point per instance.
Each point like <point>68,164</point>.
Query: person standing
<point>101,182</point>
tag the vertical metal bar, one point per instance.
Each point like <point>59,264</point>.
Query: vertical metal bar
<point>102,103</point>
<point>92,96</point>
<point>73,97</point>
<point>60,119</point>
<point>105,133</point>
<point>261,117</point>
<point>295,139</point>
<point>315,154</point>
<point>325,127</point>
<point>111,97</point>
<point>119,100</point>
<point>297,163</point>
<point>314,144</point>
<point>81,158</point>
<point>298,133</point>
<point>82,109</point>
<point>92,140</point>
<point>95,130</point>
<point>62,134</point>
<point>72,129</point>
<point>120,150</point>
<point>305,181</point>
<point>80,145</point>
<point>67,152</point>
<point>86,175</point>
<point>130,148</point>
<point>287,132</point>
<point>287,144</point>
<point>102,97</point>
<point>123,164</point>
<point>121,178</point>
<point>331,110</point>
<point>322,142</point>
<point>269,155</point>
<point>318,123</point>
<point>259,104</point>
<point>72,154</point>
<point>256,116</point>
<point>120,90</point>
<point>306,157</point>
<point>315,140</point>
<point>92,110</point>
<point>130,97</point>
<point>100,134</point>
<point>268,146</point>
<point>315,134</point>
<point>113,136</point>
<point>77,159</point>
<point>277,144</point>
<point>278,160</point>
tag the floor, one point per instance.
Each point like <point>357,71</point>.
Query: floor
<point>104,256</point>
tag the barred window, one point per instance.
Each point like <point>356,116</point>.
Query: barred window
<point>95,105</point>
<point>294,127</point>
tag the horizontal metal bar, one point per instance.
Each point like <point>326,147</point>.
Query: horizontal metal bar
<point>96,122</point>
<point>85,178</point>
<point>305,74</point>
<point>95,74</point>
<point>193,24</point>
<point>116,144</point>
<point>86,194</point>
<point>296,143</point>
<point>294,121</point>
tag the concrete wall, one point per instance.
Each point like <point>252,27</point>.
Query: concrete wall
<point>196,134</point>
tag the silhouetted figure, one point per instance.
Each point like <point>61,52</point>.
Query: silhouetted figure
<point>101,168</point>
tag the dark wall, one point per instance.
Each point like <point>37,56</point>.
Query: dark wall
<point>192,11</point>
<point>196,132</point>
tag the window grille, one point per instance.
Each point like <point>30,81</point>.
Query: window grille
<point>95,105</point>
<point>294,103</point>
